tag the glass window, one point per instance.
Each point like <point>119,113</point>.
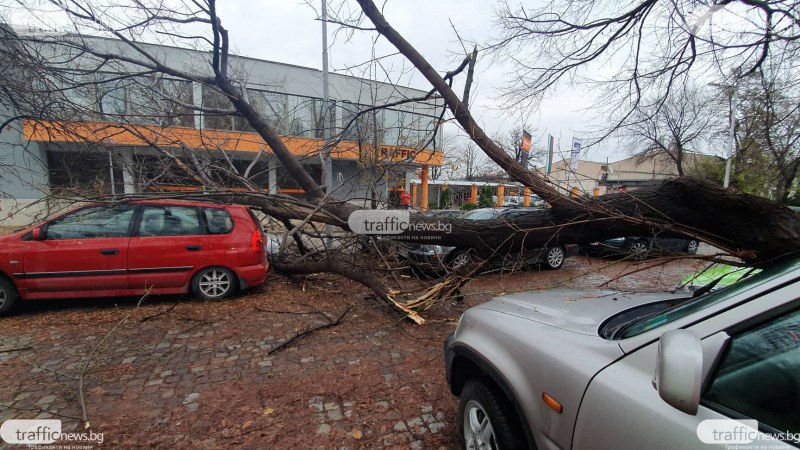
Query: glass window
<point>276,110</point>
<point>111,95</point>
<point>301,113</point>
<point>218,221</point>
<point>427,131</point>
<point>92,222</point>
<point>391,126</point>
<point>214,99</point>
<point>480,214</point>
<point>169,221</point>
<point>348,112</point>
<point>145,101</point>
<point>85,171</point>
<point>708,300</point>
<point>758,376</point>
<point>175,114</point>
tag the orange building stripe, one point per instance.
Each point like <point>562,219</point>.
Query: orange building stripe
<point>109,133</point>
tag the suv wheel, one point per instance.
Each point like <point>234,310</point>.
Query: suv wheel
<point>638,250</point>
<point>487,419</point>
<point>8,296</point>
<point>460,259</point>
<point>214,283</point>
<point>554,258</point>
<point>692,247</point>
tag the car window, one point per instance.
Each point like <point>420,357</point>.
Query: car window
<point>92,222</point>
<point>480,214</point>
<point>219,221</point>
<point>758,376</point>
<point>169,221</point>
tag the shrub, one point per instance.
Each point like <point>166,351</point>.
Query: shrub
<point>485,197</point>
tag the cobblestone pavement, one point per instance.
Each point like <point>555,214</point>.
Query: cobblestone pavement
<point>182,373</point>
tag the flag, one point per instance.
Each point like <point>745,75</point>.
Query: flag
<point>575,155</point>
<point>550,153</point>
<point>525,146</point>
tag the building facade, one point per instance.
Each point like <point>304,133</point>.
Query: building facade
<point>597,178</point>
<point>92,127</point>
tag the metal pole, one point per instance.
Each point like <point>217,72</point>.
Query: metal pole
<point>732,144</point>
<point>327,162</point>
<point>111,172</point>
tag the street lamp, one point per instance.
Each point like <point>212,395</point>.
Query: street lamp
<point>733,89</point>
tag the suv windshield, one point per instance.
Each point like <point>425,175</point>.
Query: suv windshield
<point>702,302</point>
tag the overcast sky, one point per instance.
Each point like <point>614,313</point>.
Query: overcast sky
<point>287,31</point>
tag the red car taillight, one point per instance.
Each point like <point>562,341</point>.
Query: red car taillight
<point>257,241</point>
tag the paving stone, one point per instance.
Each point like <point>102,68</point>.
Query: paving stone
<point>436,426</point>
<point>400,426</point>
<point>415,422</point>
<point>191,398</point>
<point>129,360</point>
<point>335,415</point>
<point>46,400</point>
<point>155,382</point>
<point>324,429</point>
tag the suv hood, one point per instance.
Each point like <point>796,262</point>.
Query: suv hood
<point>579,311</point>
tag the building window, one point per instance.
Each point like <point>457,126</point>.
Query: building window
<point>87,172</point>
<point>112,98</point>
<point>177,94</point>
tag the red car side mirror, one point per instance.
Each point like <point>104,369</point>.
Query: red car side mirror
<point>36,233</point>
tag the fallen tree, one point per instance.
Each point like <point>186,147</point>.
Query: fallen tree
<point>752,229</point>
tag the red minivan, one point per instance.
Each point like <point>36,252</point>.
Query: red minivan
<point>160,246</point>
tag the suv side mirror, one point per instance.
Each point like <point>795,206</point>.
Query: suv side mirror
<point>37,234</point>
<point>679,368</point>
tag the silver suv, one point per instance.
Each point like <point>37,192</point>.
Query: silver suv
<point>610,370</point>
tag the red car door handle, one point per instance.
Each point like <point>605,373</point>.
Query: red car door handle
<point>109,251</point>
<point>194,248</point>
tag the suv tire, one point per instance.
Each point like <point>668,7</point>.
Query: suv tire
<point>487,419</point>
<point>554,257</point>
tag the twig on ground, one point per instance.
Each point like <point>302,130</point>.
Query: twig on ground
<point>49,369</point>
<point>310,330</point>
<point>273,311</point>
<point>17,349</point>
<point>85,368</point>
<point>166,311</point>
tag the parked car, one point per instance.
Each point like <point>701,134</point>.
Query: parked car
<point>437,258</point>
<point>611,370</point>
<point>164,247</point>
<point>642,246</point>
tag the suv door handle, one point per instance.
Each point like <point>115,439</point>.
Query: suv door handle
<point>194,248</point>
<point>109,251</point>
